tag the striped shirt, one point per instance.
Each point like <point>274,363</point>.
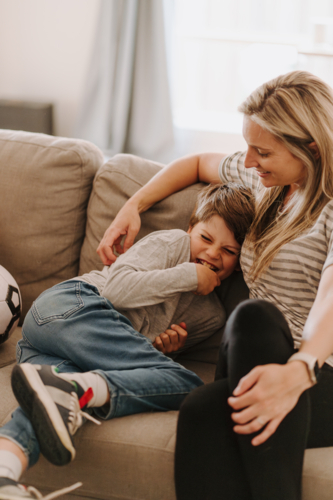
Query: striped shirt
<point>291,281</point>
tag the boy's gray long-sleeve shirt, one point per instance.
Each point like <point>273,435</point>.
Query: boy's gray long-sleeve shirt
<point>152,284</point>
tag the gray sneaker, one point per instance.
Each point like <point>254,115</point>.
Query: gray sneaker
<point>54,406</point>
<point>12,490</point>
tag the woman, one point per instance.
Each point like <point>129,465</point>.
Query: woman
<point>243,436</point>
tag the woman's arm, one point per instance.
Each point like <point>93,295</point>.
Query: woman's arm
<point>178,175</point>
<point>270,392</point>
<point>318,330</point>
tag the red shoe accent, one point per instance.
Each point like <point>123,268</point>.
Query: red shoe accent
<point>87,396</point>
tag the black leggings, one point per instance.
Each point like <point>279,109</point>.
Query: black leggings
<point>212,461</point>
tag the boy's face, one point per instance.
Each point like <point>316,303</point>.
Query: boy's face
<point>214,245</point>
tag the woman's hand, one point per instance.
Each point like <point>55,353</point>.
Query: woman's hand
<point>172,339</point>
<point>127,222</point>
<point>265,396</point>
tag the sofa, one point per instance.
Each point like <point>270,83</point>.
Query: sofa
<point>57,197</point>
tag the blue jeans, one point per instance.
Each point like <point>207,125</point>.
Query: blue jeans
<point>72,327</point>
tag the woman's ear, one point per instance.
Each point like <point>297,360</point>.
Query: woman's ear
<point>313,146</point>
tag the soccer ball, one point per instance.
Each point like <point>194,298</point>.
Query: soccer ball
<point>10,304</point>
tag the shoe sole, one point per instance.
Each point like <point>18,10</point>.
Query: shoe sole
<point>52,435</point>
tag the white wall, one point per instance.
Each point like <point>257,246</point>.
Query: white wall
<point>45,49</point>
<point>45,46</point>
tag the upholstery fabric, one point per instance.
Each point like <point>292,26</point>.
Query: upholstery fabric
<point>126,458</point>
<point>45,185</point>
<point>8,348</point>
<point>8,401</point>
<point>114,183</point>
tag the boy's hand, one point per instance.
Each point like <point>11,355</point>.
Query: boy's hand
<point>207,280</point>
<point>172,339</point>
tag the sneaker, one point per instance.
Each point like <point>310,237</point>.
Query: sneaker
<point>54,407</point>
<point>12,490</point>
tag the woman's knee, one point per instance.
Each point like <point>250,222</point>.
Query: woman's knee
<point>256,333</point>
<point>255,317</point>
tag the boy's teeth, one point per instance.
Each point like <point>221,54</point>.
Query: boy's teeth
<point>204,263</point>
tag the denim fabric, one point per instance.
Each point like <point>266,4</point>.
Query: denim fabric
<point>72,327</point>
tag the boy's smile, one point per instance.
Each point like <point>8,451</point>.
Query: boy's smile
<point>207,264</point>
<point>214,246</point>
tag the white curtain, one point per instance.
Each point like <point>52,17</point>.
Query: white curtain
<point>126,105</point>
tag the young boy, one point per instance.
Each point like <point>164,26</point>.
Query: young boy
<point>98,341</point>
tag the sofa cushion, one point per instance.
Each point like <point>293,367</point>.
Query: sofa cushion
<point>128,458</point>
<point>8,401</point>
<point>132,458</point>
<point>45,184</point>
<point>117,181</point>
<point>8,348</point>
<point>317,474</point>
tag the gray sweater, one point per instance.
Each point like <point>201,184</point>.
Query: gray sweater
<point>152,284</point>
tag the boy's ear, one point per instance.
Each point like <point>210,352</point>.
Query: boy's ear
<point>189,229</point>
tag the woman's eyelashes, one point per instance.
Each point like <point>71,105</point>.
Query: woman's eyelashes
<point>263,155</point>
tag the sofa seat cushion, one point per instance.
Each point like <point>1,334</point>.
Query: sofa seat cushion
<point>132,458</point>
<point>8,401</point>
<point>125,458</point>
<point>317,474</point>
<point>8,348</point>
<point>45,184</point>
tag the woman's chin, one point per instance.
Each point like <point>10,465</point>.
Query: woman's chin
<point>267,182</point>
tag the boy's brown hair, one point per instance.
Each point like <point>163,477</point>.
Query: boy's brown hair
<point>234,203</point>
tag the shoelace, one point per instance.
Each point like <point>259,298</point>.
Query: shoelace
<point>37,494</point>
<point>76,415</point>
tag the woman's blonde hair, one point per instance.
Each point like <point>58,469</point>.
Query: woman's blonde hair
<point>297,108</point>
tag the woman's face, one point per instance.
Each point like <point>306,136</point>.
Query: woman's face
<point>273,162</point>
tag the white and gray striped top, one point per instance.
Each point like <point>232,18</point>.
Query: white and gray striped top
<point>292,279</point>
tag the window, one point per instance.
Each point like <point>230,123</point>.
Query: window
<point>224,49</point>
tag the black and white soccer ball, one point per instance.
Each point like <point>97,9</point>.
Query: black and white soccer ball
<point>10,304</point>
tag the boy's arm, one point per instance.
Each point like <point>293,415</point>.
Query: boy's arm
<point>153,270</point>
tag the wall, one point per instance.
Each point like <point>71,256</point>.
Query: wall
<point>45,47</point>
<point>201,141</point>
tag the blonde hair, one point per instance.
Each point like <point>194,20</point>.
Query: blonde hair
<point>297,108</point>
<point>232,202</point>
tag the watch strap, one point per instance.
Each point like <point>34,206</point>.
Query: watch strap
<point>311,363</point>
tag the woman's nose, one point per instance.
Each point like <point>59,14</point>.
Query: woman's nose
<point>250,160</point>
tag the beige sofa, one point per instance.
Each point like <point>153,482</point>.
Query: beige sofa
<point>57,198</point>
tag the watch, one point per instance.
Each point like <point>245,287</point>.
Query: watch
<point>311,364</point>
